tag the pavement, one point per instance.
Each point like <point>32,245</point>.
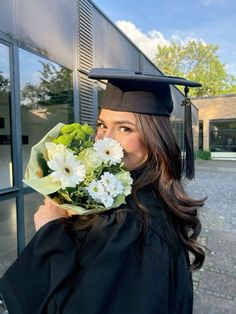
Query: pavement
<point>215,282</point>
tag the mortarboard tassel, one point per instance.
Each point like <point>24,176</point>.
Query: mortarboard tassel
<point>188,136</point>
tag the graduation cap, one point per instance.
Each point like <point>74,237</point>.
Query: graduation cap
<point>138,92</point>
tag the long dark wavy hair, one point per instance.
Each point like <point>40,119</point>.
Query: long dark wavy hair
<point>163,171</point>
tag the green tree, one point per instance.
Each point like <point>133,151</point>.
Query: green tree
<point>55,87</point>
<point>4,83</point>
<point>199,62</point>
<point>56,84</point>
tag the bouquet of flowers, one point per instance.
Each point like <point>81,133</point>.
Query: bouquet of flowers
<point>80,175</point>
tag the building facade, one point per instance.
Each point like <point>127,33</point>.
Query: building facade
<point>47,48</point>
<point>217,125</point>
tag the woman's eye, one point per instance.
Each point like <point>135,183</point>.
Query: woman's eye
<point>100,125</point>
<point>125,129</point>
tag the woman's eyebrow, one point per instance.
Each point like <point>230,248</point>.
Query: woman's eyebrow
<point>124,122</point>
<point>119,122</point>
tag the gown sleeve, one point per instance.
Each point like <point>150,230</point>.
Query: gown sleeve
<point>101,271</point>
<point>45,263</point>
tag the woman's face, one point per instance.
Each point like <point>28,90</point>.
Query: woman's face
<point>122,127</point>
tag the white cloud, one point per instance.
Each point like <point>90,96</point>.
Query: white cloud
<point>146,42</point>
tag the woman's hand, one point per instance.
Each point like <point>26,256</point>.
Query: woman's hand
<point>47,212</point>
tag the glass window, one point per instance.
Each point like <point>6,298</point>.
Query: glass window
<point>223,136</point>
<point>48,27</point>
<point>46,98</point>
<point>5,119</point>
<point>31,203</point>
<point>178,129</point>
<point>8,243</point>
<point>6,16</point>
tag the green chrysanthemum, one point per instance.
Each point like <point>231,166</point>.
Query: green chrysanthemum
<point>64,139</point>
<point>79,134</point>
<point>87,129</point>
<point>67,128</point>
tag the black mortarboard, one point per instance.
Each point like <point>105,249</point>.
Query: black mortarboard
<point>149,94</point>
<point>138,92</point>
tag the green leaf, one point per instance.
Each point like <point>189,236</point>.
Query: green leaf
<point>43,164</point>
<point>66,196</point>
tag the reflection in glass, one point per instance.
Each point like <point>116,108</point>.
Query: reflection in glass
<point>48,27</point>
<point>223,135</point>
<point>5,121</point>
<point>178,129</point>
<point>8,243</point>
<point>46,98</point>
<point>31,203</point>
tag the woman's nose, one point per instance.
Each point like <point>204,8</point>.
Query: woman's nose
<point>109,133</point>
<point>105,133</point>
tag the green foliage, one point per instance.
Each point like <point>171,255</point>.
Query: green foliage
<point>75,136</point>
<point>43,164</point>
<point>56,84</point>
<point>55,87</point>
<point>204,154</point>
<point>199,62</point>
<point>4,83</point>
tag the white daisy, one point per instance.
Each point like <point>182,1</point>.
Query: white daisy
<point>67,169</point>
<point>109,150</point>
<point>107,200</point>
<point>96,190</point>
<point>112,184</point>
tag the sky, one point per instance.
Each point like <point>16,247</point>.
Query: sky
<point>151,22</point>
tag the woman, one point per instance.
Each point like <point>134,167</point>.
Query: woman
<point>130,260</point>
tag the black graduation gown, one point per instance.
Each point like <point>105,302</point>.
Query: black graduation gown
<point>103,269</point>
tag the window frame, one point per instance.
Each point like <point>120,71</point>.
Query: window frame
<point>221,147</point>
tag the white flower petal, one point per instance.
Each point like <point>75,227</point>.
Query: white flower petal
<point>96,190</point>
<point>67,169</point>
<point>112,185</point>
<point>107,200</point>
<point>54,149</point>
<point>109,150</point>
